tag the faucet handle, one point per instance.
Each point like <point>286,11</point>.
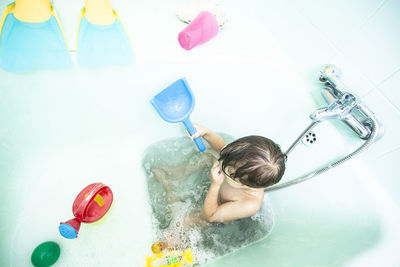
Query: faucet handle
<point>329,73</point>
<point>348,100</point>
<point>337,109</point>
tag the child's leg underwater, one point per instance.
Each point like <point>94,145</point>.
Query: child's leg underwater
<point>161,176</point>
<point>168,176</point>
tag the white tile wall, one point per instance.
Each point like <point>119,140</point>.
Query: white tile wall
<point>308,45</point>
<point>391,89</point>
<point>375,47</point>
<point>341,19</point>
<point>389,117</point>
<point>363,39</point>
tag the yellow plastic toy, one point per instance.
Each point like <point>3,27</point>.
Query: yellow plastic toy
<point>170,258</point>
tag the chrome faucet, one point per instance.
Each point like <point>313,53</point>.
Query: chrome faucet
<point>338,109</point>
<point>342,105</point>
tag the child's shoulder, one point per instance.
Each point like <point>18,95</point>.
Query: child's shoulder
<point>254,196</point>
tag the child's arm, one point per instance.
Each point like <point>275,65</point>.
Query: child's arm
<point>228,211</point>
<point>215,141</point>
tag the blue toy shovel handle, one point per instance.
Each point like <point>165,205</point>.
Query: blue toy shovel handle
<point>189,126</point>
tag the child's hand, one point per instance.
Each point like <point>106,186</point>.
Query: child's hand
<point>217,174</point>
<point>200,131</point>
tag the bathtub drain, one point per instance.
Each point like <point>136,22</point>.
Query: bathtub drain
<point>309,138</point>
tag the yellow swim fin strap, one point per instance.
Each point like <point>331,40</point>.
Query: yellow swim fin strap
<point>83,13</point>
<point>7,10</point>
<point>123,26</point>
<point>10,9</point>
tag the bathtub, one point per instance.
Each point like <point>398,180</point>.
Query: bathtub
<point>61,131</point>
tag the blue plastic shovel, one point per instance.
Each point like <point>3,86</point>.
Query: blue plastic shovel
<point>175,104</point>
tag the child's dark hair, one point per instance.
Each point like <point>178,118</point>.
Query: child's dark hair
<point>256,161</point>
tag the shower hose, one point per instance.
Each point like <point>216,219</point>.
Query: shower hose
<point>368,142</point>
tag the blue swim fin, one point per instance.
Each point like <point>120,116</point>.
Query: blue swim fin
<point>100,45</point>
<point>26,46</point>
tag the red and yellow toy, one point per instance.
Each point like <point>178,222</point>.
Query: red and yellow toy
<point>91,204</point>
<point>165,257</point>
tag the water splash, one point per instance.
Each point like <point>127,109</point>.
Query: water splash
<point>178,178</point>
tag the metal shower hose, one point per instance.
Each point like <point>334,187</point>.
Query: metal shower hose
<point>368,142</point>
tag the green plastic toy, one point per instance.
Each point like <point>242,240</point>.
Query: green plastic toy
<point>173,259</point>
<point>46,254</point>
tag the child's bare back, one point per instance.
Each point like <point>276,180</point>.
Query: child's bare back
<point>238,178</point>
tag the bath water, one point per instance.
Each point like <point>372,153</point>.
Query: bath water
<point>177,198</point>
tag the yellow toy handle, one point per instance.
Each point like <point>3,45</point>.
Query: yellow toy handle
<point>187,258</point>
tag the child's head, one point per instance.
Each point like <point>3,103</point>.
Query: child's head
<point>254,161</point>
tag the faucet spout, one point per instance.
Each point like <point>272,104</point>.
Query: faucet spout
<point>325,114</point>
<point>336,110</point>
